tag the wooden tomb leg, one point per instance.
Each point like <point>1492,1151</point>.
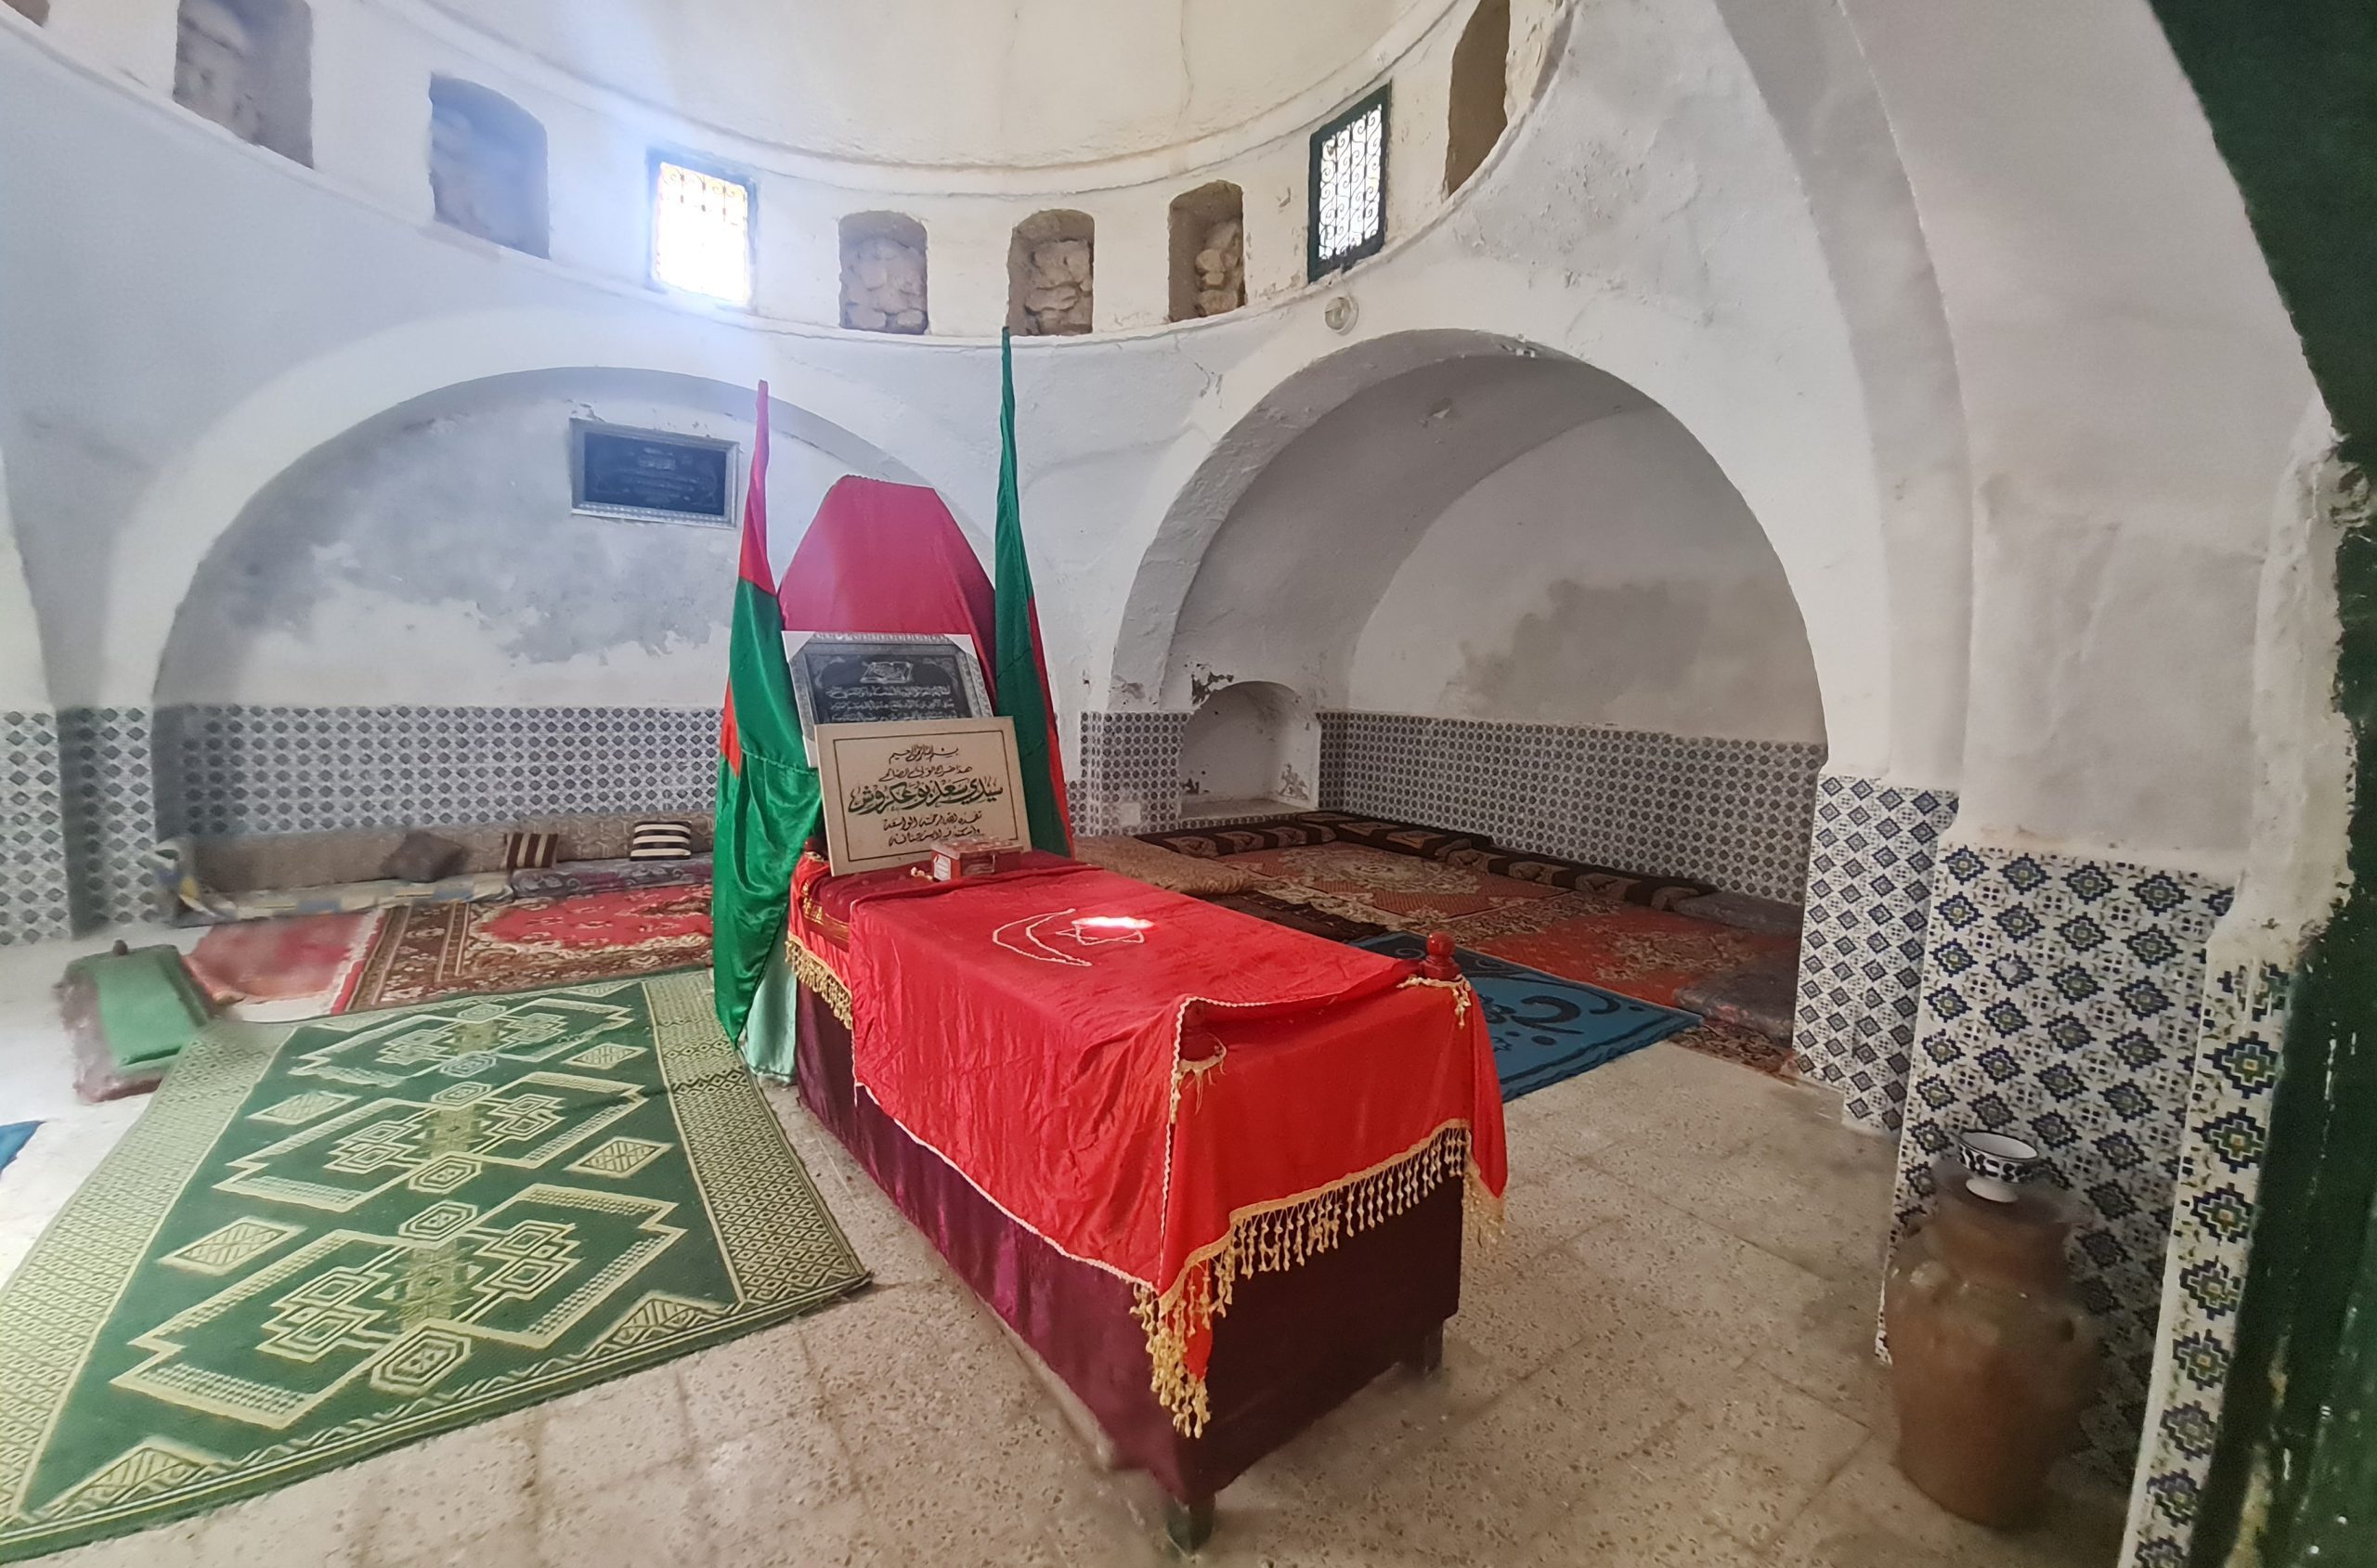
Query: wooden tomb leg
<point>1429,1359</point>
<point>1187,1525</point>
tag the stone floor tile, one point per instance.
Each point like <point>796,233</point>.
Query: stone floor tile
<point>1870,1516</point>
<point>783,1494</point>
<point>750,1383</point>
<point>589,1439</point>
<point>1751,1458</point>
<point>443,1491</point>
<point>659,1516</point>
<point>318,1521</point>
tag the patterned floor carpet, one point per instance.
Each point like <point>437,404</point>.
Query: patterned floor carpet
<point>429,951</point>
<point>1546,1029</point>
<point>295,967</point>
<point>328,1238</point>
<point>1646,953</point>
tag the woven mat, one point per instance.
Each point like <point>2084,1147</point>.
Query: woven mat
<point>326,1238</point>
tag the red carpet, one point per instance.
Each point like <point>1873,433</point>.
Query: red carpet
<point>427,951</point>
<point>301,967</point>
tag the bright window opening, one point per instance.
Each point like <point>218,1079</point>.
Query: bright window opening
<point>1349,186</point>
<point>701,232</point>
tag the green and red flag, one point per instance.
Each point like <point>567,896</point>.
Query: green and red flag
<point>767,792</point>
<point>1020,684</point>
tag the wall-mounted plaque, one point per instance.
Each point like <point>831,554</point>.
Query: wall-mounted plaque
<point>858,678</point>
<point>651,476</point>
<point>893,791</point>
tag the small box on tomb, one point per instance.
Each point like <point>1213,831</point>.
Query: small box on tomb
<point>957,859</point>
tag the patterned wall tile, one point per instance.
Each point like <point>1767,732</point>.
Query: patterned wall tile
<point>33,905</point>
<point>296,770</point>
<point>2061,1002</point>
<point>110,814</point>
<point>2219,1182</point>
<point>1733,813</point>
<point>1871,855</point>
<point>1130,771</point>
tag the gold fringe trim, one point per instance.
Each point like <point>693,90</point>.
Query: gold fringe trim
<point>1273,1238</point>
<point>1461,994</point>
<point>811,971</point>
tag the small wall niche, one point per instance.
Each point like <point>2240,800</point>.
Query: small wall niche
<point>247,65</point>
<point>1478,112</point>
<point>486,166</point>
<point>1208,252</point>
<point>883,273</point>
<point>1252,748</point>
<point>1050,267</point>
<point>34,11</point>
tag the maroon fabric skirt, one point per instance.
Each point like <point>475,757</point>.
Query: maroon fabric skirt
<point>1293,1346</point>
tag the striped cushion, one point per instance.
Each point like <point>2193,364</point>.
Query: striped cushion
<point>530,852</point>
<point>661,841</point>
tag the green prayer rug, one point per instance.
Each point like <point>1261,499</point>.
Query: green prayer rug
<point>326,1239</point>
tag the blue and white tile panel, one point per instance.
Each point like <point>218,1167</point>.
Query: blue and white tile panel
<point>2203,1278</point>
<point>2061,1002</point>
<point>1871,852</point>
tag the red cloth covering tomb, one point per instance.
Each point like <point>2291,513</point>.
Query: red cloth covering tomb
<point>1212,1171</point>
<point>1155,1119</point>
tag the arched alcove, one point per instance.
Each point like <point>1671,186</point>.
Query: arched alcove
<point>883,273</point>
<point>1477,111</point>
<point>486,166</point>
<point>1050,271</point>
<point>1252,748</point>
<point>247,65</point>
<point>1208,233</point>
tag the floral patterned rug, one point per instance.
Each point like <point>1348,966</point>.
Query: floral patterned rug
<point>428,951</point>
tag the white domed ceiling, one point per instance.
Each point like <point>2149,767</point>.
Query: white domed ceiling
<point>1033,84</point>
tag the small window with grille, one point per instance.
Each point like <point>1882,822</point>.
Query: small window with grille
<point>701,230</point>
<point>1348,218</point>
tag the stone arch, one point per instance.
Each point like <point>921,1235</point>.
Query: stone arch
<point>486,166</point>
<point>187,507</point>
<point>883,274</point>
<point>1251,748</point>
<point>1832,556</point>
<point>1477,110</point>
<point>247,66</point>
<point>1051,273</point>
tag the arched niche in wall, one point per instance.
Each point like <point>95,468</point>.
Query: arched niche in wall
<point>883,273</point>
<point>486,166</point>
<point>1252,747</point>
<point>1477,112</point>
<point>1208,251</point>
<point>248,65</point>
<point>1050,269</point>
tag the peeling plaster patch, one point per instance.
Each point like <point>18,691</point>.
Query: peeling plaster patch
<point>435,558</point>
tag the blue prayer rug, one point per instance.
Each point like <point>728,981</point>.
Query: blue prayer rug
<point>1546,1029</point>
<point>12,1138</point>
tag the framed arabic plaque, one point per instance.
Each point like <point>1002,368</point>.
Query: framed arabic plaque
<point>893,791</point>
<point>889,678</point>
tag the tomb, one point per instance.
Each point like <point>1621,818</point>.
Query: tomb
<point>246,65</point>
<point>486,166</point>
<point>883,273</point>
<point>1050,271</point>
<point>1208,231</point>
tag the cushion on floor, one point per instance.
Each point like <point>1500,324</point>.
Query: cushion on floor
<point>1758,997</point>
<point>1244,838</point>
<point>1198,875</point>
<point>1745,911</point>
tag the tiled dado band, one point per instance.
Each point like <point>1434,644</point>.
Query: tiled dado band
<point>1733,813</point>
<point>34,904</point>
<point>127,776</point>
<point>2203,1278</point>
<point>2061,1003</point>
<point>1871,852</point>
<point>296,770</point>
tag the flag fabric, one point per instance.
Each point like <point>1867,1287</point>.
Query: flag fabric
<point>1020,684</point>
<point>768,798</point>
